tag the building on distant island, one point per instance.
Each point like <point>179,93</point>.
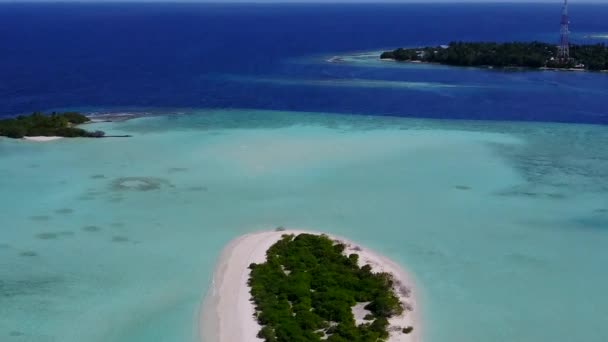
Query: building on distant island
<point>564,39</point>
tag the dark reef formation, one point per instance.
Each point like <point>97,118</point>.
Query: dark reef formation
<point>138,183</point>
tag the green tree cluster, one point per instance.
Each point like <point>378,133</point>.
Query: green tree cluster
<point>515,54</point>
<point>39,124</point>
<point>307,287</point>
<point>595,57</point>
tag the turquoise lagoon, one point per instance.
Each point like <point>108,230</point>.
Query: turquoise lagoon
<point>504,225</point>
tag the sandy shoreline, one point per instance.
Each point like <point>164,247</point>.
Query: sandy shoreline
<point>226,314</point>
<point>490,66</point>
<point>41,138</point>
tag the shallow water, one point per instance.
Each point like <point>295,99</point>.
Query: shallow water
<point>504,225</point>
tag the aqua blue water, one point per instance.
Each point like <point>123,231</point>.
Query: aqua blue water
<point>503,223</point>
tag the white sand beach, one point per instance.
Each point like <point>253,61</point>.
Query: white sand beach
<point>41,138</point>
<point>227,313</point>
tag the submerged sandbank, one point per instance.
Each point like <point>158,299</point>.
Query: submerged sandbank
<point>227,313</point>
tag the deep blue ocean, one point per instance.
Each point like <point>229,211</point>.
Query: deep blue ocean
<point>113,57</point>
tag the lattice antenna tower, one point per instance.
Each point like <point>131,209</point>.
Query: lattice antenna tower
<point>564,35</point>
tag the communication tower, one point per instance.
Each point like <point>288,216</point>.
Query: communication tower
<point>564,37</point>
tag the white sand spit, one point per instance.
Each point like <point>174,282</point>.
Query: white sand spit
<point>227,313</point>
<point>41,139</point>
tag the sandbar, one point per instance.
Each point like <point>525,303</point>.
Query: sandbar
<point>41,138</point>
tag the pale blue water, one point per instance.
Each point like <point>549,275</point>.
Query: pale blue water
<point>503,224</point>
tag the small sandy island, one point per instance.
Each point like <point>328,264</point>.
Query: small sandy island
<point>41,139</point>
<point>227,313</point>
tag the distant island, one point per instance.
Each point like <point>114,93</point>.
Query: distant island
<point>536,55</point>
<point>41,125</point>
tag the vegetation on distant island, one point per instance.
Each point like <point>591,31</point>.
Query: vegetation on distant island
<point>307,287</point>
<point>55,124</point>
<point>532,55</point>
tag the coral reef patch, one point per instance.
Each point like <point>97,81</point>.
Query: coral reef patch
<point>138,183</point>
<point>91,229</point>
